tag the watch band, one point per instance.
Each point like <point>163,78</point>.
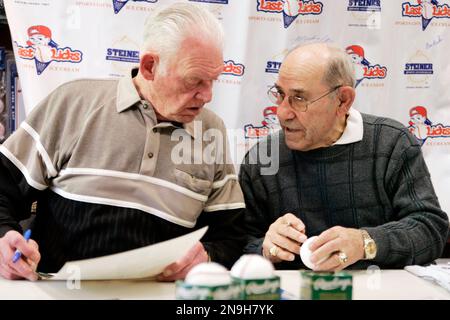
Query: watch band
<point>370,247</point>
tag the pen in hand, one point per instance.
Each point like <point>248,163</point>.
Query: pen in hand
<point>18,254</point>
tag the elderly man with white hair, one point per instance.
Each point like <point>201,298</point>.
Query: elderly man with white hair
<point>98,157</point>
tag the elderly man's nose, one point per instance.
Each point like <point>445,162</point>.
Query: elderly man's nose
<point>284,111</point>
<point>205,93</point>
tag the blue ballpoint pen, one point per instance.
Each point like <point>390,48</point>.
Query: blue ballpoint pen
<point>18,254</point>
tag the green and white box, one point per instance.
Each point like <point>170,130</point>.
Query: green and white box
<point>326,286</point>
<point>185,291</point>
<point>259,289</point>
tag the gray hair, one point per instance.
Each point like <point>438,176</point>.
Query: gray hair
<point>339,69</point>
<point>165,30</point>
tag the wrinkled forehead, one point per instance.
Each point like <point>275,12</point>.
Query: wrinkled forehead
<point>302,69</point>
<point>199,58</point>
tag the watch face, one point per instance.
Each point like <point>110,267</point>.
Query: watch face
<point>371,248</point>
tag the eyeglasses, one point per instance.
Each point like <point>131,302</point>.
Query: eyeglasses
<point>297,103</point>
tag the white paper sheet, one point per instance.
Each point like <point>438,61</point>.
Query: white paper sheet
<point>439,274</point>
<point>139,263</point>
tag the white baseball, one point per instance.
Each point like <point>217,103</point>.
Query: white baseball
<point>305,253</point>
<point>208,274</point>
<point>43,53</point>
<point>252,266</point>
<point>291,7</point>
<point>427,10</point>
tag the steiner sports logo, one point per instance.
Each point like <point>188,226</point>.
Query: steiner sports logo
<point>418,68</point>
<point>291,8</point>
<point>363,68</point>
<point>119,4</point>
<point>233,69</point>
<point>273,66</point>
<point>422,127</point>
<point>270,124</point>
<point>426,9</point>
<point>365,13</point>
<point>43,50</point>
<point>364,5</point>
<point>122,55</point>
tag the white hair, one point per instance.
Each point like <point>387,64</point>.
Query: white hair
<point>165,30</point>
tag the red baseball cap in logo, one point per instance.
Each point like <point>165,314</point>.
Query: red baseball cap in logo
<point>418,110</point>
<point>269,110</point>
<point>45,31</point>
<point>356,50</point>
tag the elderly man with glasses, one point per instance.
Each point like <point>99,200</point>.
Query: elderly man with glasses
<point>351,179</point>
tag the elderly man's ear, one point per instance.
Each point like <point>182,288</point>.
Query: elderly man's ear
<point>148,64</point>
<point>346,96</point>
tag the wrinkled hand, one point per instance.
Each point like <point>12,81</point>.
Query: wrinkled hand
<point>26,266</point>
<point>332,241</point>
<point>178,270</point>
<point>285,235</point>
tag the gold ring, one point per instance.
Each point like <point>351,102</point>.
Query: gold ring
<point>342,257</point>
<point>273,251</point>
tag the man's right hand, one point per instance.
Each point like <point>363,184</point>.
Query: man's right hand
<point>284,238</point>
<point>26,266</point>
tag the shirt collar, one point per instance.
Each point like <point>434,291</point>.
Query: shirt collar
<point>354,128</point>
<point>188,127</point>
<point>127,94</point>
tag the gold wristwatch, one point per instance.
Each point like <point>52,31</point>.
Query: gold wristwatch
<point>370,247</point>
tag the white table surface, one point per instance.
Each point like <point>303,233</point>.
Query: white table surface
<point>384,284</point>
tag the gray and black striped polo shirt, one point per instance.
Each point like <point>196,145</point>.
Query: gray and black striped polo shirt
<point>95,144</point>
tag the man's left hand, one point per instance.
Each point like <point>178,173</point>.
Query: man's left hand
<point>337,248</point>
<point>178,270</point>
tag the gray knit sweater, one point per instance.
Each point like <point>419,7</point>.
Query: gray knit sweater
<point>380,184</point>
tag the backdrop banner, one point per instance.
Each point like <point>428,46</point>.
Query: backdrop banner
<point>399,47</point>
